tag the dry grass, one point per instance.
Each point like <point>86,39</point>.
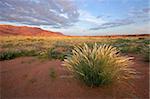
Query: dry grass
<point>99,65</point>
<point>42,45</point>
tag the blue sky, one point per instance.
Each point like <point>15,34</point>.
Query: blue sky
<point>79,17</point>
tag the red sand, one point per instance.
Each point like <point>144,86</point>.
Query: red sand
<point>28,78</point>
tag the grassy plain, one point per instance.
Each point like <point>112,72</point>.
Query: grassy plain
<point>59,47</point>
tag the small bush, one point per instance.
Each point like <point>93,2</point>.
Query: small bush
<point>122,40</point>
<point>146,53</point>
<point>9,45</point>
<point>29,53</point>
<point>99,65</point>
<point>146,41</point>
<point>58,53</point>
<point>54,54</point>
<point>130,49</point>
<point>7,55</point>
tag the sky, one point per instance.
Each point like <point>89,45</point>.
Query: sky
<point>79,17</point>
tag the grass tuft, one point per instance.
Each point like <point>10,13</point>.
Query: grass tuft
<point>11,54</point>
<point>7,55</point>
<point>52,73</point>
<point>99,65</point>
<point>146,53</point>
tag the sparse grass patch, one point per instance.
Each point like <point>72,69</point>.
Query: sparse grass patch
<point>99,65</point>
<point>146,53</point>
<point>52,73</point>
<point>8,45</point>
<point>120,40</point>
<point>32,80</point>
<point>7,55</point>
<point>11,54</point>
<point>54,54</point>
<point>29,53</point>
<point>58,53</point>
<point>130,49</point>
<point>146,41</point>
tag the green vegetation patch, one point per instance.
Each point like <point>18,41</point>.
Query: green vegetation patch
<point>146,53</point>
<point>10,54</point>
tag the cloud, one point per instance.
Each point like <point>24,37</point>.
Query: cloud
<point>139,13</point>
<point>103,16</point>
<point>115,23</point>
<point>134,16</point>
<point>57,13</point>
<point>146,10</point>
<point>88,18</point>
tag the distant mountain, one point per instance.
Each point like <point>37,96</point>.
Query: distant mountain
<point>26,31</point>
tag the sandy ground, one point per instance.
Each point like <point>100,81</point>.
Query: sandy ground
<point>29,78</point>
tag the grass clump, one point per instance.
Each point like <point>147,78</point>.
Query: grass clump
<point>130,49</point>
<point>146,53</point>
<point>52,73</point>
<point>11,54</point>
<point>7,55</point>
<point>99,65</point>
<point>58,53</point>
<point>122,40</point>
<point>55,54</point>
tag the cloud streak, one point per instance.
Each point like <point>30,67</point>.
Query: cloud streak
<point>57,13</point>
<point>88,18</point>
<point>134,16</point>
<point>115,23</point>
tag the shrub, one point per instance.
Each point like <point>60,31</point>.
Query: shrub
<point>9,45</point>
<point>29,53</point>
<point>8,55</point>
<point>122,40</point>
<point>146,41</point>
<point>99,65</point>
<point>58,53</point>
<point>54,54</point>
<point>130,49</point>
<point>11,54</point>
<point>146,53</point>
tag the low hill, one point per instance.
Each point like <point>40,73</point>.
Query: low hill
<point>26,31</point>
